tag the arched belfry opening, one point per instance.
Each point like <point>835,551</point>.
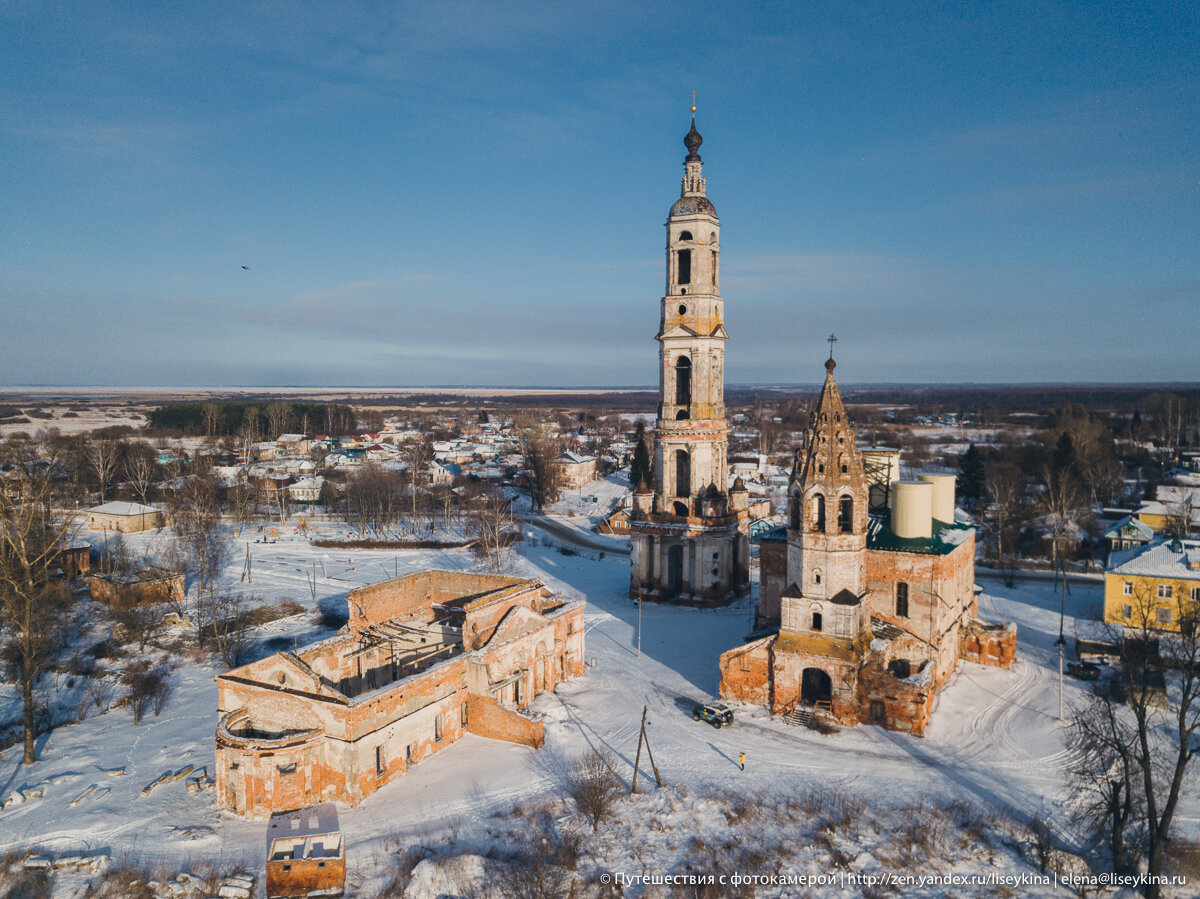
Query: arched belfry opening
<point>685,266</point>
<point>683,381</point>
<point>818,513</point>
<point>683,473</point>
<point>846,514</point>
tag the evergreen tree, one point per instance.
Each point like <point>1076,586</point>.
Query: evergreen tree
<point>1065,461</point>
<point>972,476</point>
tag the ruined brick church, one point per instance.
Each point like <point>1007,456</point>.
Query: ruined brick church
<point>873,607</point>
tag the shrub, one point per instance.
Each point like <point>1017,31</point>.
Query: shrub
<point>148,689</point>
<point>594,787</point>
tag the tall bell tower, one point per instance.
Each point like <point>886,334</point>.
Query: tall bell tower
<point>689,531</point>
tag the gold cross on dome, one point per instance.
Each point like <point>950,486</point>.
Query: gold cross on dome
<point>693,102</point>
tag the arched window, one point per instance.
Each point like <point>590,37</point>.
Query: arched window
<point>816,575</point>
<point>902,600</point>
<point>818,513</point>
<point>846,514</point>
<point>683,381</point>
<point>794,512</point>
<point>681,509</point>
<point>685,235</point>
<point>843,464</point>
<point>816,621</point>
<point>683,474</point>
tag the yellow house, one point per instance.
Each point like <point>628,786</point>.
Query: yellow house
<point>1155,586</point>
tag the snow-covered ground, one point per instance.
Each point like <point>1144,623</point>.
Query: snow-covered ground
<point>593,500</point>
<point>994,741</point>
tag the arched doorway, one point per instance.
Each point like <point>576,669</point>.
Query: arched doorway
<point>815,686</point>
<point>674,570</point>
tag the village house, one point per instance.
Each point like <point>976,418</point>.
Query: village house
<point>1154,585</point>
<point>75,559</point>
<point>869,613</point>
<point>149,585</point>
<point>307,490</point>
<point>576,470</point>
<point>423,659</point>
<point>293,444</point>
<point>124,517</point>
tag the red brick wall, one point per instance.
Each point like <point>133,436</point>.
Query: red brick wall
<point>487,718</point>
<point>746,673</point>
<point>988,645</point>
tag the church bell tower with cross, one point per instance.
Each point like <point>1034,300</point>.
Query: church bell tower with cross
<point>689,528</point>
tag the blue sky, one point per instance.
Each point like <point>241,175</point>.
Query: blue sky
<point>474,193</point>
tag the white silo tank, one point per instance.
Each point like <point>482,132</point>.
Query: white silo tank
<point>912,509</point>
<point>943,495</point>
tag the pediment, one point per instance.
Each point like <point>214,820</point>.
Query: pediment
<point>518,622</point>
<point>678,331</point>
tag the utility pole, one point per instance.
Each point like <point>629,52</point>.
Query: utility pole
<point>643,738</point>
<point>1062,640</point>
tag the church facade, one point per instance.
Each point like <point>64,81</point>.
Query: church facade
<point>689,529</point>
<point>872,609</point>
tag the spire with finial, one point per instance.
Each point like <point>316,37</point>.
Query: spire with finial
<point>693,180</point>
<point>830,365</point>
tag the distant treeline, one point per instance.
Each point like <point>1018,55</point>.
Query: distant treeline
<point>220,418</point>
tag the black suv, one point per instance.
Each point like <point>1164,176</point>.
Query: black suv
<point>714,713</point>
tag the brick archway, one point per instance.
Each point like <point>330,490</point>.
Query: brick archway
<point>815,686</point>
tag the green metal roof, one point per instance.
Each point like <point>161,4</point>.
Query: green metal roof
<point>945,538</point>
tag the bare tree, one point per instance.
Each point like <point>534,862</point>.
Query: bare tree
<point>33,604</point>
<point>210,414</point>
<point>1105,779</point>
<point>1179,516</point>
<point>417,454</point>
<point>1166,735</point>
<point>136,615</point>
<point>238,498</point>
<point>490,526</point>
<point>203,546</point>
<point>103,456</point>
<point>540,448</point>
<point>279,415</point>
<point>140,467</point>
<point>594,787</point>
<point>250,420</point>
<point>224,620</point>
<point>372,501</point>
<point>1062,505</point>
<point>1006,486</point>
<point>1136,742</point>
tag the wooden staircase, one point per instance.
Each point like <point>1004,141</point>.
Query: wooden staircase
<point>805,715</point>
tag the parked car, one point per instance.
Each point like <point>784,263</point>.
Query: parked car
<point>1084,670</point>
<point>714,713</point>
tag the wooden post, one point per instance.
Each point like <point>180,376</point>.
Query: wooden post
<point>638,757</point>
<point>653,767</point>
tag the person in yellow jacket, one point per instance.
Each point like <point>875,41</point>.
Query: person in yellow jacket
<point>742,760</point>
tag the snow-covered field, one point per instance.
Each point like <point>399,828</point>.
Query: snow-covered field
<point>994,742</point>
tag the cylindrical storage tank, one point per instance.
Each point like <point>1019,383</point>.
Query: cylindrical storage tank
<point>943,495</point>
<point>912,509</point>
